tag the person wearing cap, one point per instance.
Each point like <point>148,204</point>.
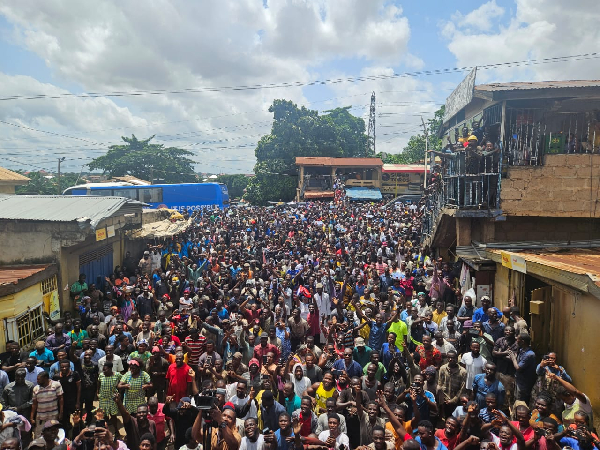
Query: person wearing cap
<point>145,264</point>
<point>261,350</point>
<point>361,353</point>
<point>48,436</point>
<point>481,315</point>
<point>141,353</point>
<point>253,377</point>
<point>270,411</point>
<point>134,382</point>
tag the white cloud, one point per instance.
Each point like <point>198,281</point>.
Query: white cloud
<point>537,29</point>
<point>479,19</point>
<point>170,45</point>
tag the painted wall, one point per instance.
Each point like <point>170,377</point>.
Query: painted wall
<point>17,303</point>
<point>7,189</point>
<point>574,323</point>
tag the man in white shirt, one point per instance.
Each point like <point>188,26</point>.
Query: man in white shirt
<point>253,440</point>
<point>323,301</point>
<point>333,437</point>
<point>474,363</point>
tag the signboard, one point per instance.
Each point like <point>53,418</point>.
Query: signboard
<point>101,234</point>
<point>461,96</point>
<point>52,305</point>
<point>110,230</point>
<point>514,262</point>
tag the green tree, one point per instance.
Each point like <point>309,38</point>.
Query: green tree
<point>144,160</point>
<point>40,185</point>
<point>298,131</point>
<point>236,184</point>
<point>414,151</point>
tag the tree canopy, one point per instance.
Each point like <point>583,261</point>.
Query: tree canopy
<point>236,184</point>
<point>298,131</point>
<point>144,160</point>
<point>40,185</point>
<point>414,151</point>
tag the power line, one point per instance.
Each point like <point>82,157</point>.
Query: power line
<point>284,85</point>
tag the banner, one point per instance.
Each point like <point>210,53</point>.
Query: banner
<point>514,262</point>
<point>101,234</point>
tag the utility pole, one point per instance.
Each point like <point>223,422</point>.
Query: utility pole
<point>59,161</point>
<point>151,175</point>
<point>371,129</point>
<point>426,150</point>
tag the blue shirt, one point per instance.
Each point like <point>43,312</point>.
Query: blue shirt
<point>438,444</point>
<point>55,368</point>
<point>525,375</point>
<point>355,369</point>
<point>422,405</point>
<point>47,356</point>
<point>282,444</point>
<point>377,335</point>
<point>111,340</point>
<point>481,389</point>
<point>481,316</point>
<point>387,354</point>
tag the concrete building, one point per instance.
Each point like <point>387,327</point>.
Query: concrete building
<point>317,174</point>
<point>527,225</point>
<point>9,180</point>
<point>78,234</point>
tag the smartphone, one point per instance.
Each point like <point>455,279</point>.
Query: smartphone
<point>266,430</point>
<point>264,360</point>
<point>209,360</point>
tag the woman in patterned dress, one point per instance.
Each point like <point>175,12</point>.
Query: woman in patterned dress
<point>134,382</point>
<point>107,386</point>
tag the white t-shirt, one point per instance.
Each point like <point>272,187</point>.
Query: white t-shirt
<point>117,364</point>
<point>341,439</point>
<point>247,444</point>
<point>300,386</point>
<point>474,366</point>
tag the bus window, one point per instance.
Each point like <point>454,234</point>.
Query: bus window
<point>151,195</point>
<point>100,192</point>
<point>128,193</point>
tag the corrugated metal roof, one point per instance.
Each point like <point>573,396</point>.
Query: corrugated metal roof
<point>338,162</point>
<point>12,274</point>
<point>13,177</point>
<point>582,261</point>
<point>358,193</point>
<point>527,85</point>
<point>318,194</point>
<point>63,208</point>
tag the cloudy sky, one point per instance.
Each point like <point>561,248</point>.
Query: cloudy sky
<point>201,74</point>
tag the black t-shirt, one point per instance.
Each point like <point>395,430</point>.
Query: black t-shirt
<point>69,386</point>
<point>9,360</point>
<point>89,378</point>
<point>182,421</point>
<point>124,352</point>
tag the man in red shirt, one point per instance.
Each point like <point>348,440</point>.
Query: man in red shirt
<point>179,381</point>
<point>449,434</point>
<point>263,348</point>
<point>430,356</point>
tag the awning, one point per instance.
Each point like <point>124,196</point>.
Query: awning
<point>318,194</point>
<point>359,193</point>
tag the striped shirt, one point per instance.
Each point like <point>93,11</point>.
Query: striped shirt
<point>196,347</point>
<point>47,400</point>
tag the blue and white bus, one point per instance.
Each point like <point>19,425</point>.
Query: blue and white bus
<point>185,196</point>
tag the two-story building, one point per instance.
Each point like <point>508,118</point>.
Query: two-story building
<point>519,207</point>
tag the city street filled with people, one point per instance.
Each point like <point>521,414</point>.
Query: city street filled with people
<point>321,325</point>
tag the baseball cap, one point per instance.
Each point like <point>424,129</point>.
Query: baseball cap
<point>253,361</point>
<point>468,324</point>
<point>184,400</point>
<point>51,424</point>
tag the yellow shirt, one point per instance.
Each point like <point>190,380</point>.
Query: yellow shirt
<point>437,318</point>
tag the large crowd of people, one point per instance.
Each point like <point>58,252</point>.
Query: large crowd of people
<point>306,326</point>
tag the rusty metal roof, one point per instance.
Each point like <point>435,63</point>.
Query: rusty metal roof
<point>12,177</point>
<point>527,85</point>
<point>13,274</point>
<point>338,162</point>
<point>582,261</point>
<point>318,194</point>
